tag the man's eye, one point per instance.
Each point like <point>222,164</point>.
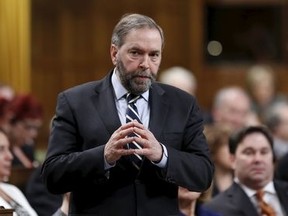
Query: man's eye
<point>248,152</point>
<point>155,55</point>
<point>134,53</point>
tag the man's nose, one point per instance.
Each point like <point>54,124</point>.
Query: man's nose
<point>144,64</point>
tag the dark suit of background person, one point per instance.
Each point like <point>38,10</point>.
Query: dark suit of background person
<point>87,117</point>
<point>281,171</point>
<point>234,201</point>
<point>43,202</point>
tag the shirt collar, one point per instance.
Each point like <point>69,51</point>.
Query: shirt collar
<point>119,89</point>
<point>269,188</point>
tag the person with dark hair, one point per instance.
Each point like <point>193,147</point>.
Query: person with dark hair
<point>254,191</point>
<point>26,115</point>
<point>122,145</point>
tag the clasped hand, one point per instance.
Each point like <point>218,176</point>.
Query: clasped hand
<point>115,147</point>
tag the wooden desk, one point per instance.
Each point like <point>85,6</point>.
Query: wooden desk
<point>6,212</point>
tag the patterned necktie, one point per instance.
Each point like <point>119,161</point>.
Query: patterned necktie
<point>132,114</point>
<point>265,208</point>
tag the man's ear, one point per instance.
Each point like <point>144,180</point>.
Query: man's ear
<point>113,53</point>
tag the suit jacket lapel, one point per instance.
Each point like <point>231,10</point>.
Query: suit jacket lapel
<point>158,110</point>
<point>239,197</point>
<point>282,192</point>
<point>104,102</point>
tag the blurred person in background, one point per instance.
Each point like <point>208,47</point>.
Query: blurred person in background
<point>11,196</point>
<point>4,114</point>
<point>190,203</point>
<point>281,171</point>
<point>26,119</point>
<point>232,108</point>
<point>217,138</point>
<point>276,118</point>
<point>254,186</point>
<point>6,91</point>
<point>44,202</point>
<point>261,87</point>
<point>185,80</point>
<point>181,78</point>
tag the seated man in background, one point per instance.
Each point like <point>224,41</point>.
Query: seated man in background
<point>276,119</point>
<point>181,78</point>
<point>232,108</point>
<point>253,162</point>
<point>185,80</point>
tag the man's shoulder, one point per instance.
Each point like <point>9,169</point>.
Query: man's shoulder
<point>281,185</point>
<point>171,91</point>
<point>83,86</point>
<point>232,201</point>
<point>218,199</point>
<point>222,198</point>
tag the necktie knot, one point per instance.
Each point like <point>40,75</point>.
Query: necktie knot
<point>260,194</point>
<point>132,98</point>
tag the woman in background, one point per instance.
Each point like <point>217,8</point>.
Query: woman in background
<point>26,119</point>
<point>217,138</point>
<point>11,197</point>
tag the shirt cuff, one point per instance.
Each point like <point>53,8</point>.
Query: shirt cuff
<point>107,165</point>
<point>163,162</point>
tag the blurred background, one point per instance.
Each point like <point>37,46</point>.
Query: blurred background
<point>47,46</point>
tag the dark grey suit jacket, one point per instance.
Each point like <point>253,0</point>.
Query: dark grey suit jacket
<point>86,117</point>
<point>235,202</point>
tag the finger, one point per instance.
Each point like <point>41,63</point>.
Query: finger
<point>128,125</point>
<point>144,143</point>
<point>142,132</point>
<point>137,124</point>
<point>124,152</point>
<point>121,143</point>
<point>125,132</point>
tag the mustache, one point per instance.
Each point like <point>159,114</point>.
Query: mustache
<point>143,73</point>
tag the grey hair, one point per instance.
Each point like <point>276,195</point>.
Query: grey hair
<point>225,92</point>
<point>129,22</point>
<point>273,116</point>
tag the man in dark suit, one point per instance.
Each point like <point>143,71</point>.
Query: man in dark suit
<point>252,157</point>
<point>88,152</point>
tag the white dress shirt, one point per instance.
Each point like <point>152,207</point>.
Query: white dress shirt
<point>143,109</point>
<point>270,197</point>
